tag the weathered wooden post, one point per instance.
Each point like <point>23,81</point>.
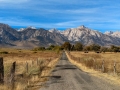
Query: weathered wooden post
<point>114,67</point>
<point>27,67</point>
<point>12,71</point>
<point>37,62</point>
<point>103,68</point>
<point>1,71</point>
<point>79,60</point>
<point>94,66</point>
<point>12,75</point>
<point>32,62</point>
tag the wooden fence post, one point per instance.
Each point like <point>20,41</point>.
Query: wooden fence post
<point>32,62</point>
<point>114,67</point>
<point>79,60</point>
<point>1,71</point>
<point>27,67</point>
<point>103,68</point>
<point>94,66</point>
<point>12,75</point>
<point>37,62</point>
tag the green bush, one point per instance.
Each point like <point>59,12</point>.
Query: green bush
<point>3,52</point>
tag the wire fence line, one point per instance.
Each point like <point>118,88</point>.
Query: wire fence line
<point>105,66</point>
<point>22,72</point>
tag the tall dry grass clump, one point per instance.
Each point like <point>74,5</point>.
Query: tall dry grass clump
<point>31,68</point>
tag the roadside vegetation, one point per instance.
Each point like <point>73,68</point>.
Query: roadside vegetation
<point>32,67</point>
<point>95,58</point>
<point>105,62</point>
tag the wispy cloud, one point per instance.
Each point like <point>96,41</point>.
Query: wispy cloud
<point>13,1</point>
<point>60,13</point>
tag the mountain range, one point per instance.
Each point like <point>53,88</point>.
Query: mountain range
<point>32,37</point>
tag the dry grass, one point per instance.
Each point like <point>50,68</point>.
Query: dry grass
<point>40,64</point>
<point>95,60</point>
<point>112,78</point>
<point>108,55</point>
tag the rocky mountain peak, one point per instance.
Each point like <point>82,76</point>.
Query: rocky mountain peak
<point>31,27</point>
<point>21,29</point>
<point>108,32</point>
<point>114,34</point>
<point>81,27</point>
<point>31,37</point>
<point>2,24</point>
<point>54,30</point>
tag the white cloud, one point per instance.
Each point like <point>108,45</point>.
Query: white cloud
<point>25,23</point>
<point>68,24</point>
<point>13,1</point>
<point>73,13</point>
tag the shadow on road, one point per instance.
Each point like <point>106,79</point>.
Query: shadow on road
<point>56,77</point>
<point>64,67</point>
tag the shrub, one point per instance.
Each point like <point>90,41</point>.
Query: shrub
<point>4,52</point>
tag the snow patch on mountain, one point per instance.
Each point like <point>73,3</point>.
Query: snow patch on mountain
<point>54,30</point>
<point>31,27</point>
<point>114,34</point>
<point>75,34</point>
<point>21,29</point>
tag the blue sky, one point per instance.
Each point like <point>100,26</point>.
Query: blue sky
<point>102,15</point>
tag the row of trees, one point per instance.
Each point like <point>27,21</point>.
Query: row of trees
<point>78,46</point>
<point>55,48</point>
<point>93,47</point>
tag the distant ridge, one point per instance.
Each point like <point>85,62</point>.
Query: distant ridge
<point>114,34</point>
<point>33,37</point>
<point>88,36</point>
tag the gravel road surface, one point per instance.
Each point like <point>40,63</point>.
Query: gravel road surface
<point>66,76</point>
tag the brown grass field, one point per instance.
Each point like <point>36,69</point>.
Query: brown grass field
<point>92,62</point>
<point>95,60</point>
<point>40,64</point>
<point>110,56</point>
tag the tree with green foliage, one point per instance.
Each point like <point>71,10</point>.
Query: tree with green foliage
<point>66,46</point>
<point>114,48</point>
<point>104,49</point>
<point>39,49</point>
<point>78,46</point>
<point>72,47</point>
<point>51,47</point>
<point>95,47</point>
<point>57,49</point>
<point>86,48</point>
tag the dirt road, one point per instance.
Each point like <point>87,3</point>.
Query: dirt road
<point>66,76</point>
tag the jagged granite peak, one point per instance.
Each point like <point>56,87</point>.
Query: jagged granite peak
<point>114,34</point>
<point>29,37</point>
<point>21,29</point>
<point>28,28</point>
<point>88,36</point>
<point>74,34</point>
<point>2,24</point>
<point>53,30</point>
<point>8,33</point>
<point>32,37</point>
<point>81,27</point>
<point>31,27</point>
<point>108,32</point>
